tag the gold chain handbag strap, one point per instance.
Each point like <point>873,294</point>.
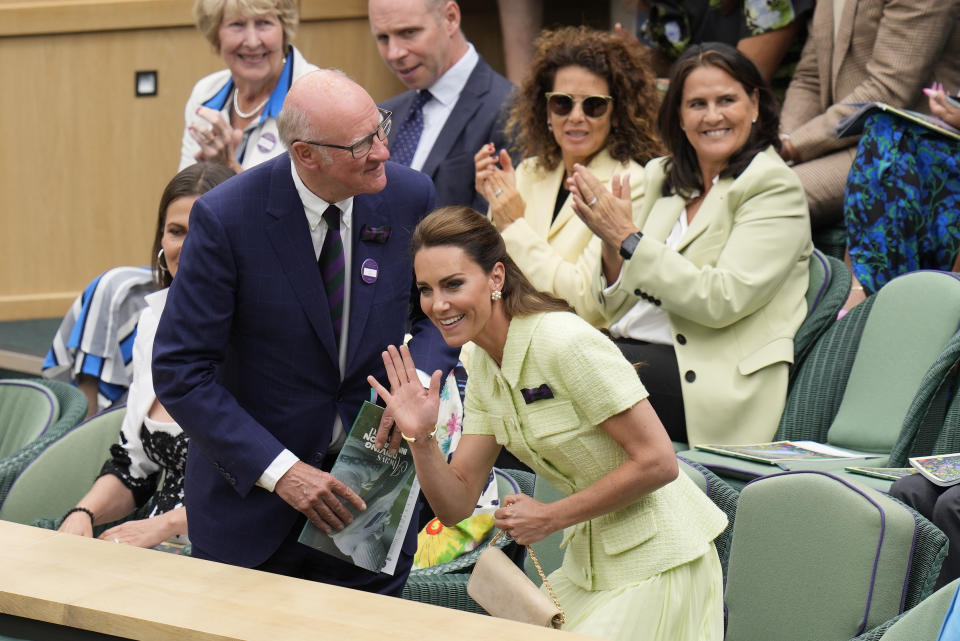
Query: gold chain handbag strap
<point>543,577</point>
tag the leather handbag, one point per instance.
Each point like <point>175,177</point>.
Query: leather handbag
<point>503,590</point>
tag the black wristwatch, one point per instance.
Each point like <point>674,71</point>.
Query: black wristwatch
<point>629,245</point>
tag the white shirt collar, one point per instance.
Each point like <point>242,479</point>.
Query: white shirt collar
<point>314,205</point>
<point>447,88</point>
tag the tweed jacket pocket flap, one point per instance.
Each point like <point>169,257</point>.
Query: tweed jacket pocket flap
<point>550,416</point>
<point>777,351</point>
<point>625,529</point>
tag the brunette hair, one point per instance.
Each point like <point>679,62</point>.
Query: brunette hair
<point>193,181</point>
<point>626,69</point>
<point>459,226</point>
<point>682,169</point>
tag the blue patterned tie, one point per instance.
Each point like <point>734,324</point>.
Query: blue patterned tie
<point>408,136</point>
<point>331,264</point>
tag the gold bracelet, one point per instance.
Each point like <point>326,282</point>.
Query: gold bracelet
<point>414,439</point>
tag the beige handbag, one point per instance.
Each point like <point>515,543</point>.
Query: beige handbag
<point>503,590</point>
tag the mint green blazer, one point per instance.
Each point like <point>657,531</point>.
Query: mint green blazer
<point>733,290</point>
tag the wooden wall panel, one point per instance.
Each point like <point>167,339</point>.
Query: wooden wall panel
<point>83,162</point>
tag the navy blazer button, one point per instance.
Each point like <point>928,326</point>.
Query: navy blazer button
<point>690,376</point>
<point>681,339</point>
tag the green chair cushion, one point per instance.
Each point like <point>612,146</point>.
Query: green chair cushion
<point>923,622</point>
<point>814,557</point>
<point>27,410</point>
<point>913,318</point>
<point>60,475</point>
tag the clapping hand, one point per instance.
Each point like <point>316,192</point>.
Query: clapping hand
<point>496,181</point>
<point>608,215</point>
<point>413,408</point>
<point>218,142</point>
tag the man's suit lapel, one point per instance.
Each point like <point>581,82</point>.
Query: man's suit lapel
<point>821,30</point>
<point>469,102</point>
<point>367,210</point>
<point>289,234</point>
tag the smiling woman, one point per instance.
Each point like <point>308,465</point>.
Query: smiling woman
<point>639,561</point>
<point>230,116</point>
<point>590,99</point>
<point>707,275</point>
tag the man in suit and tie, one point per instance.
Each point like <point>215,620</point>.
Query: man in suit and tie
<point>861,51</point>
<point>292,281</point>
<point>456,101</point>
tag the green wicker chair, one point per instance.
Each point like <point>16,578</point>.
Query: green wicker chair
<point>62,473</point>
<point>922,623</point>
<point>874,379</point>
<point>827,292</point>
<point>27,411</point>
<point>816,557</point>
<point>71,409</point>
<point>723,496</point>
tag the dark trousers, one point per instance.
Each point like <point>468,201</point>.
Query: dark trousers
<point>295,559</point>
<point>657,367</point>
<point>942,506</point>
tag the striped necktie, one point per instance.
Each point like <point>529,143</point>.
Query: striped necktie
<point>408,137</point>
<point>331,264</point>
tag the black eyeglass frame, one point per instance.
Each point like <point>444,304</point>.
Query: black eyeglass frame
<point>607,101</point>
<point>381,132</point>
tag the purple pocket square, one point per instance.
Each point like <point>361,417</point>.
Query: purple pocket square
<point>375,234</point>
<point>536,394</point>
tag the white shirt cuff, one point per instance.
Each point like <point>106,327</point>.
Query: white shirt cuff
<point>275,471</point>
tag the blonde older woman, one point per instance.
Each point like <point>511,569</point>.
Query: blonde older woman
<point>230,116</point>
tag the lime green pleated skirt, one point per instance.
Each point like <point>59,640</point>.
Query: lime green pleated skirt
<point>684,603</point>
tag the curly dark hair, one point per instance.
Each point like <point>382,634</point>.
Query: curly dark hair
<point>683,175</point>
<point>627,71</point>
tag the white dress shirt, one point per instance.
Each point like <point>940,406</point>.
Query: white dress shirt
<point>446,92</point>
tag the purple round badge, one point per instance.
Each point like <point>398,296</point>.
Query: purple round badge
<point>266,143</point>
<point>369,271</point>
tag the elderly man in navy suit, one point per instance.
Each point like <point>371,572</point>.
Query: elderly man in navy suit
<point>294,277</point>
<point>456,101</point>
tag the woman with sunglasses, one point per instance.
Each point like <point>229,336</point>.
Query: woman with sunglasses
<point>707,276</point>
<point>589,98</point>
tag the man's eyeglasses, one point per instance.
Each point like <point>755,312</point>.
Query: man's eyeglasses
<point>361,148</point>
<point>561,104</point>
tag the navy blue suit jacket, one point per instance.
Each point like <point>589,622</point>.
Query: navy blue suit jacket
<point>477,118</point>
<point>245,358</point>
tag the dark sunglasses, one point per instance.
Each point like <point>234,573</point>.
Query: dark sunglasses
<point>561,104</point>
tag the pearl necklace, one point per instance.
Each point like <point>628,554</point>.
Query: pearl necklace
<point>248,114</point>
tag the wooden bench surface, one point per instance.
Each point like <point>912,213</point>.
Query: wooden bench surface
<point>144,594</point>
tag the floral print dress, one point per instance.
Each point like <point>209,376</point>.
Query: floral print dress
<point>902,204</point>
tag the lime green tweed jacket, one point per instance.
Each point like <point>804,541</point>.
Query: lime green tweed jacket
<point>733,291</point>
<point>558,436</point>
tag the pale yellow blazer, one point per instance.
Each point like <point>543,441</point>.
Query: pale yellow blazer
<point>733,290</point>
<point>559,438</point>
<point>561,257</point>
